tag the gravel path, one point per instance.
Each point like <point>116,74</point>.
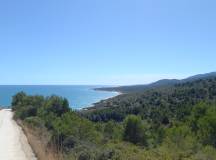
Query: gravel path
<point>13,142</point>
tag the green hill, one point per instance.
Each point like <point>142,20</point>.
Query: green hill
<point>167,102</point>
<point>160,83</point>
<point>173,122</point>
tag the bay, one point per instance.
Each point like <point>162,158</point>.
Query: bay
<point>79,96</point>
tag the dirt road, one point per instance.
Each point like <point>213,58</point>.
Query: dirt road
<point>13,142</point>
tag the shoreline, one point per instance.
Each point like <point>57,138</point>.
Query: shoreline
<point>92,103</point>
<point>78,96</point>
<point>92,106</point>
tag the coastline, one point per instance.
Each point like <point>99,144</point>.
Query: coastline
<point>79,96</point>
<point>92,106</point>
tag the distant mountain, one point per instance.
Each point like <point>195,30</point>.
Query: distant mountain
<point>160,83</point>
<point>200,76</point>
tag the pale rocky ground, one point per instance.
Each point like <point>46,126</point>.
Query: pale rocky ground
<point>13,142</point>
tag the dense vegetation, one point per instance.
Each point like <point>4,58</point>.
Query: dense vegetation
<point>157,84</point>
<point>160,105</point>
<point>170,123</point>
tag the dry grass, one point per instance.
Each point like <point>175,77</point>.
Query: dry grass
<point>38,139</point>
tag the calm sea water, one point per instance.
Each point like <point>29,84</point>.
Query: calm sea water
<point>78,96</point>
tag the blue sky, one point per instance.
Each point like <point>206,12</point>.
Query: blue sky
<point>105,41</point>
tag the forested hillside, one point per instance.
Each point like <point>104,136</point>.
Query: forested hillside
<point>169,123</point>
<point>157,84</point>
<point>161,105</point>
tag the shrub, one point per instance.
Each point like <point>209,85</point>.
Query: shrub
<point>134,130</point>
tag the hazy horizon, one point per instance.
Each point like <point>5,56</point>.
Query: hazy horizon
<point>148,80</point>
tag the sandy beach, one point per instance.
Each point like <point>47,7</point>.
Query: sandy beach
<point>13,142</point>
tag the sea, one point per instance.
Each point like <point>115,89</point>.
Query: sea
<point>79,96</point>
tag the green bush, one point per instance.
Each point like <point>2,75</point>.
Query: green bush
<point>35,122</point>
<point>207,127</point>
<point>56,105</point>
<point>135,130</point>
